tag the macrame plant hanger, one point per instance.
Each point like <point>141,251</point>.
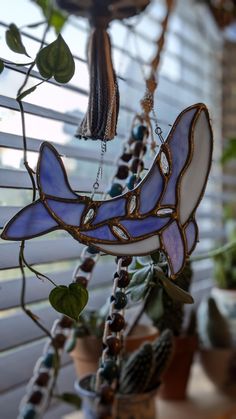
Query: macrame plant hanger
<point>103,89</point>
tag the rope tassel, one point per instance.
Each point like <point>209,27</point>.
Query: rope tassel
<point>100,120</point>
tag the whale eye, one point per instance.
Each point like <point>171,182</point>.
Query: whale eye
<point>132,204</point>
<point>120,233</point>
<point>89,216</point>
<point>164,211</point>
<point>164,164</point>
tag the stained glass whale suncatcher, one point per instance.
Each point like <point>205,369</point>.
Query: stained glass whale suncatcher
<point>159,213</point>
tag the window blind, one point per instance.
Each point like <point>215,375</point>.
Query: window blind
<point>190,72</point>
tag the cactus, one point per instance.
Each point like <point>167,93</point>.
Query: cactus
<point>163,350</point>
<point>137,370</point>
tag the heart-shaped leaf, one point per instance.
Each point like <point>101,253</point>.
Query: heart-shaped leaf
<point>69,300</point>
<point>1,66</point>
<point>56,61</point>
<point>14,41</point>
<point>175,292</point>
<point>144,260</point>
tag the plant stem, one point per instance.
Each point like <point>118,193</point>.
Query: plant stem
<point>216,252</point>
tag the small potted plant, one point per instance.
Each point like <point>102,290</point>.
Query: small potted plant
<point>136,385</point>
<point>164,304</point>
<point>217,350</point>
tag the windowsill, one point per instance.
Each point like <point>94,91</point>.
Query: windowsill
<point>204,402</point>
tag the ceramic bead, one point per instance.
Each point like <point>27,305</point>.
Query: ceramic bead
<point>139,132</point>
<point>116,189</point>
<point>29,413</point>
<point>131,182</point>
<point>59,341</point>
<point>48,360</point>
<point>120,300</point>
<point>109,370</point>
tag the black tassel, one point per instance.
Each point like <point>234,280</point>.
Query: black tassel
<point>100,120</point>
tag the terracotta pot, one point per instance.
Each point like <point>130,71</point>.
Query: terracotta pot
<point>220,366</point>
<point>175,379</point>
<point>135,406</point>
<point>89,349</point>
<point>226,302</point>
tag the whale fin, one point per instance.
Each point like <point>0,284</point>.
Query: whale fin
<point>51,175</point>
<point>32,221</point>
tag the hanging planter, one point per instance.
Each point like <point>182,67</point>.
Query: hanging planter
<point>100,119</point>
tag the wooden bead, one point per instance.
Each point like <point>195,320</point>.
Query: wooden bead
<point>136,165</point>
<point>126,157</point>
<point>82,281</point>
<point>35,397</point>
<point>116,322</point>
<point>126,260</point>
<point>123,280</point>
<point>59,341</point>
<point>139,132</point>
<point>107,394</point>
<point>87,265</point>
<point>138,149</point>
<point>66,322</point>
<point>114,345</point>
<point>42,379</point>
<point>122,172</point>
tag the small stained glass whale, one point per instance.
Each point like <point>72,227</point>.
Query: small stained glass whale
<point>159,213</point>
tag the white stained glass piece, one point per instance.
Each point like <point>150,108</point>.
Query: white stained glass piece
<point>164,211</point>
<point>139,248</point>
<point>164,164</point>
<point>89,215</point>
<point>193,181</point>
<point>120,233</point>
<point>132,204</point>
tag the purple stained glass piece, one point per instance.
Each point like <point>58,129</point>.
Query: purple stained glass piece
<point>32,221</point>
<point>151,190</point>
<point>191,234</point>
<point>110,209</point>
<point>179,149</point>
<point>174,247</point>
<point>137,228</point>
<point>52,178</point>
<point>101,233</point>
<point>70,213</point>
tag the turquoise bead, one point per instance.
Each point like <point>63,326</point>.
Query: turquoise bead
<point>120,300</point>
<point>109,370</point>
<point>139,132</point>
<point>131,182</point>
<point>116,189</point>
<point>29,413</point>
<point>48,360</point>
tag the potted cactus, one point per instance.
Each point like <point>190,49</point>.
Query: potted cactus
<point>217,349</point>
<point>138,381</point>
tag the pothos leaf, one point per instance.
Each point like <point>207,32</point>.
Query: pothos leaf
<point>69,300</point>
<point>54,16</point>
<point>56,61</point>
<point>1,66</point>
<point>154,304</point>
<point>144,260</point>
<point>14,41</point>
<point>175,292</point>
<point>70,398</point>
